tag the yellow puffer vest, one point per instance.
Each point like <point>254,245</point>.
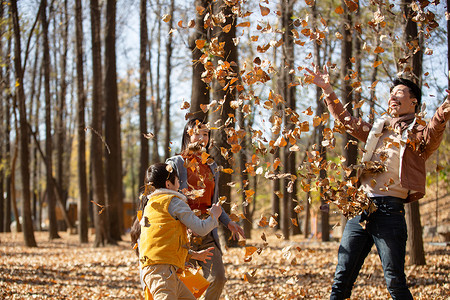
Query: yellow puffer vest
<point>163,239</point>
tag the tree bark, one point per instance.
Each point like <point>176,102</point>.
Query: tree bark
<point>415,240</point>
<point>2,128</point>
<point>53,226</point>
<point>101,220</point>
<point>7,139</point>
<point>28,231</point>
<point>288,92</point>
<point>81,95</point>
<point>228,95</point>
<point>167,117</point>
<point>144,161</point>
<point>62,154</point>
<point>112,127</point>
<point>200,90</point>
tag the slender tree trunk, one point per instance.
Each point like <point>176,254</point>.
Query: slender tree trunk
<point>81,95</point>
<point>3,128</point>
<point>350,143</point>
<point>102,233</point>
<point>28,231</point>
<point>53,226</point>
<point>288,91</point>
<point>448,42</point>
<point>156,103</point>
<point>228,95</point>
<point>144,161</point>
<point>167,117</point>
<point>112,127</point>
<point>319,138</point>
<point>62,155</point>
<point>34,102</point>
<point>200,92</point>
<point>7,139</point>
<point>415,241</point>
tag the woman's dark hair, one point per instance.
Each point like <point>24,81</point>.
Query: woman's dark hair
<point>414,90</point>
<point>187,138</point>
<point>155,178</point>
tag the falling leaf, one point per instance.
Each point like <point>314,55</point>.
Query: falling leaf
<point>228,171</point>
<point>243,24</point>
<point>226,28</point>
<point>200,44</point>
<point>377,63</point>
<point>264,10</point>
<point>166,18</point>
<point>339,10</point>
<point>148,136</point>
<point>250,250</point>
<point>378,50</point>
<point>352,6</point>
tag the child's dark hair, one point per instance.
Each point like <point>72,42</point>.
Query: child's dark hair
<point>155,178</point>
<point>185,140</point>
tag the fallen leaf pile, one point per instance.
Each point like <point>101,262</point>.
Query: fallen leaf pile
<point>275,269</point>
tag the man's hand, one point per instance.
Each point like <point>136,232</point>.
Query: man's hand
<point>202,255</point>
<point>321,79</point>
<point>236,230</point>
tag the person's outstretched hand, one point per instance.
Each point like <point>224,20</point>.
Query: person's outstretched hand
<point>236,230</point>
<point>321,79</point>
<point>203,255</point>
<point>215,211</point>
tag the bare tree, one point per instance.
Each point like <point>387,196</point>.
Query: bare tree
<point>81,95</point>
<point>225,97</point>
<point>112,127</point>
<point>101,221</point>
<point>53,227</point>
<point>28,231</point>
<point>168,91</point>
<point>412,38</point>
<point>288,92</point>
<point>200,92</point>
<point>143,67</point>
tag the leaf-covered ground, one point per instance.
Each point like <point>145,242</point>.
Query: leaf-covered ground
<point>297,269</point>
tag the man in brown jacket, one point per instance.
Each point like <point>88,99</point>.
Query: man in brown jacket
<point>399,144</point>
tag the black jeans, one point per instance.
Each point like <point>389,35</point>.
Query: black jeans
<point>386,228</point>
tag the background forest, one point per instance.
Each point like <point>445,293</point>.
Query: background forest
<point>92,92</point>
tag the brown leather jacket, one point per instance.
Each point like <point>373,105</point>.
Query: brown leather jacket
<point>422,141</point>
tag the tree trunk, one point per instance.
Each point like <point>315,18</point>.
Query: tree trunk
<point>156,103</point>
<point>324,213</point>
<point>101,220</point>
<point>228,95</point>
<point>62,155</point>
<point>53,226</point>
<point>144,161</point>
<point>350,143</point>
<point>167,117</point>
<point>288,92</point>
<point>112,127</point>
<point>28,231</point>
<point>2,127</point>
<point>7,139</point>
<point>81,95</point>
<point>415,241</point>
<point>200,91</point>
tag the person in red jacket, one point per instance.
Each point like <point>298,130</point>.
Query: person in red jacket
<point>199,181</point>
<point>400,145</point>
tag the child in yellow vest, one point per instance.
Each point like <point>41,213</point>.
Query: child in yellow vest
<point>164,245</point>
